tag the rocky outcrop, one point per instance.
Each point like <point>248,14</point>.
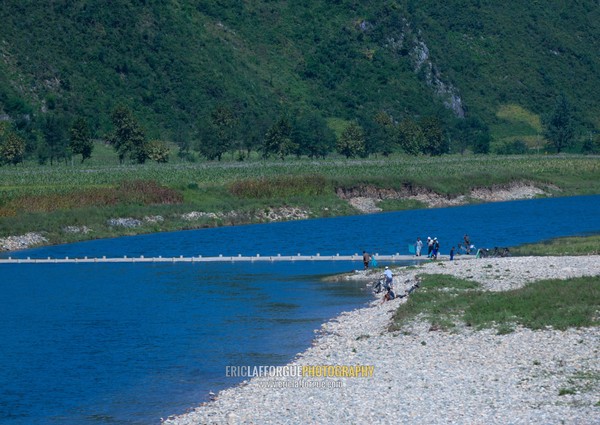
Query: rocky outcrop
<point>408,41</point>
<point>77,229</point>
<point>423,63</point>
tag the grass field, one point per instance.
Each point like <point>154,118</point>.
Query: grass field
<point>50,198</point>
<point>446,301</point>
<point>589,245</point>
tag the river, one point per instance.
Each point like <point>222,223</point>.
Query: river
<point>130,343</point>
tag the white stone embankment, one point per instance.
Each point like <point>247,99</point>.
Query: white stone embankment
<point>366,198</point>
<point>422,376</point>
<point>15,243</point>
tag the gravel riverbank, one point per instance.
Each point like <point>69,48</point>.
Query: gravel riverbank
<point>421,376</point>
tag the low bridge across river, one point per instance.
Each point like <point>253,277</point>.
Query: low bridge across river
<point>201,259</point>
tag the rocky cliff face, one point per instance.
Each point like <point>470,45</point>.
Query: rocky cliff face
<point>423,63</point>
<point>409,42</point>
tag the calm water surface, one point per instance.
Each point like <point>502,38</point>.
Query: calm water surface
<point>130,343</point>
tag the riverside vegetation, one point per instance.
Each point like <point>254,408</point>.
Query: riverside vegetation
<point>78,202</point>
<point>445,300</point>
<point>400,81</point>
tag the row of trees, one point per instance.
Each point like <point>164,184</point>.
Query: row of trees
<point>129,140</point>
<point>53,142</point>
<point>308,134</point>
<point>301,134</point>
<point>48,142</point>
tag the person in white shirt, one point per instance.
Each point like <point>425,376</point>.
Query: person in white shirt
<point>418,247</point>
<point>389,277</point>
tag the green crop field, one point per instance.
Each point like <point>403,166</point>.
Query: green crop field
<point>48,199</point>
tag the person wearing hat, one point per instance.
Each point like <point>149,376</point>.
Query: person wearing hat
<point>389,286</point>
<point>389,277</point>
<point>436,248</point>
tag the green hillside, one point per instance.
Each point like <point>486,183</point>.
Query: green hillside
<point>173,64</point>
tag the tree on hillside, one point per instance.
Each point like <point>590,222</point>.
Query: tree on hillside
<point>128,137</point>
<point>54,138</point>
<point>222,132</point>
<point>481,137</point>
<point>352,141</point>
<point>158,151</point>
<point>385,134</point>
<point>81,141</point>
<point>253,131</point>
<point>312,136</point>
<point>560,126</point>
<point>181,137</point>
<point>278,140</point>
<point>411,137</point>
<point>460,138</point>
<point>435,143</point>
<point>474,133</point>
<point>12,149</point>
<point>591,145</point>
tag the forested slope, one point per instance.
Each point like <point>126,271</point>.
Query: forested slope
<point>173,64</point>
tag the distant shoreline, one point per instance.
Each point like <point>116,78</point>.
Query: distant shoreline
<point>45,206</point>
<point>364,204</point>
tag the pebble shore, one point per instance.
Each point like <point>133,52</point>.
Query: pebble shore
<point>422,376</point>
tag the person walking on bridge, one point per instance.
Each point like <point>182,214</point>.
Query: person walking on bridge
<point>418,247</point>
<point>366,259</point>
<point>436,249</point>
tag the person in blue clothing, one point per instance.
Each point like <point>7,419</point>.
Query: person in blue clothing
<point>452,254</point>
<point>436,249</point>
<point>373,261</point>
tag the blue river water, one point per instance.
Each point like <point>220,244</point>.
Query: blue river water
<point>130,343</point>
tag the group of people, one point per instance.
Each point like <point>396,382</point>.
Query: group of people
<point>386,284</point>
<point>388,277</point>
<point>433,250</point>
<point>433,247</point>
